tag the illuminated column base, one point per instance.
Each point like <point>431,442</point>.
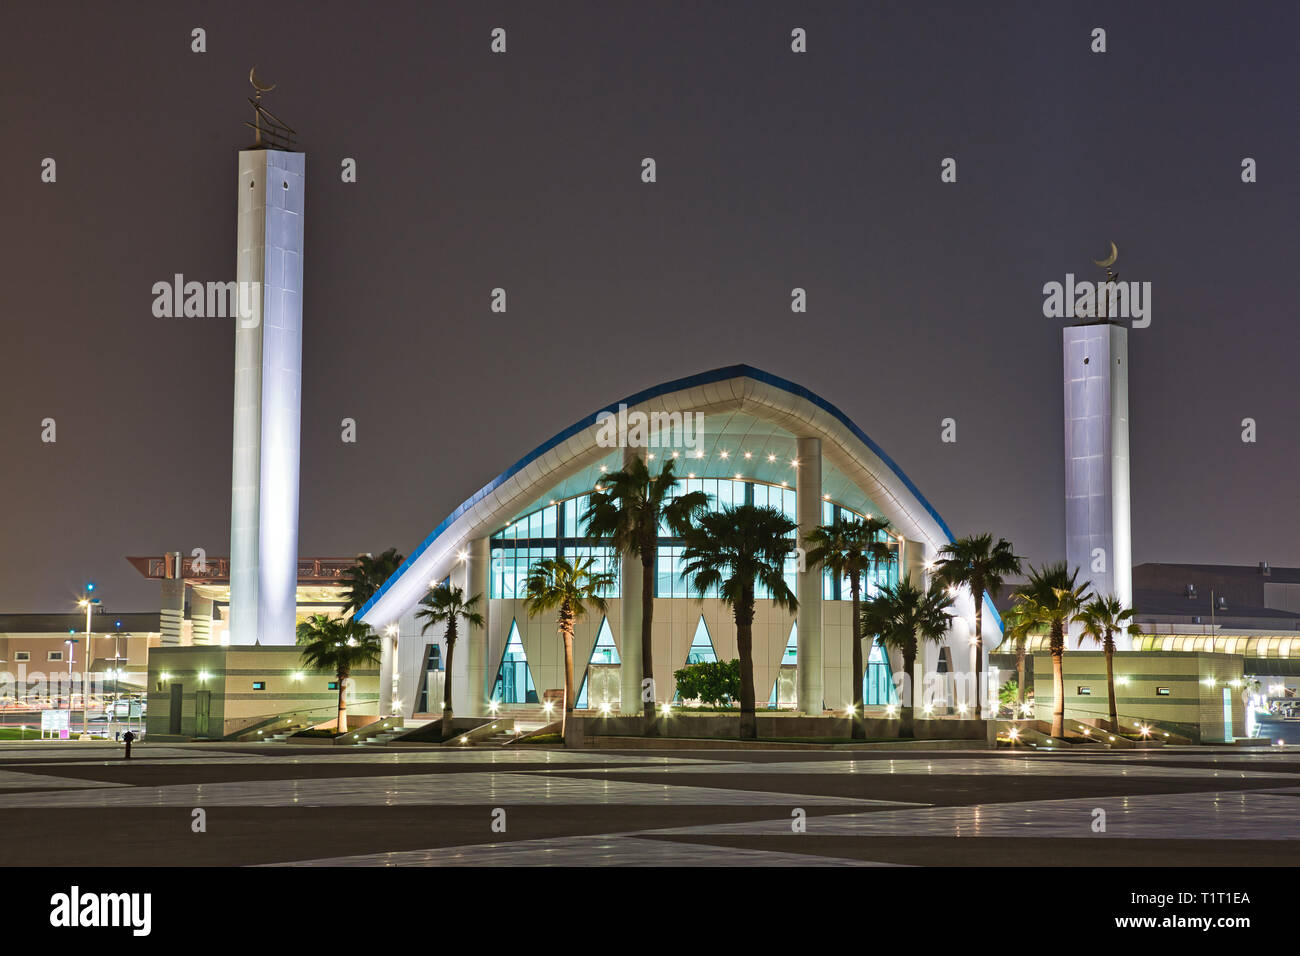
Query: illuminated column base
<point>472,654</point>
<point>388,641</point>
<point>808,514</point>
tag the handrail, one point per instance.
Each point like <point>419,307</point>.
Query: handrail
<point>263,721</point>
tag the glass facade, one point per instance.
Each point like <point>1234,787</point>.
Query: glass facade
<point>1264,646</point>
<point>514,683</point>
<point>784,688</point>
<point>558,531</point>
<point>701,648</point>
<point>878,681</point>
<point>604,658</point>
<point>554,531</point>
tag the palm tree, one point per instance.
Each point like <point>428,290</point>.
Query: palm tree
<point>367,576</point>
<point>848,547</point>
<point>732,550</point>
<point>1017,626</point>
<point>1104,617</point>
<point>446,604</point>
<point>976,562</point>
<point>904,617</point>
<point>340,645</point>
<point>556,585</point>
<point>1054,600</point>
<point>628,507</point>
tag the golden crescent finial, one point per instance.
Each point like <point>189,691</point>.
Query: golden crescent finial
<point>252,78</point>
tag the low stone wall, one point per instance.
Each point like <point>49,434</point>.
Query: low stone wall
<point>679,743</point>
<point>727,727</point>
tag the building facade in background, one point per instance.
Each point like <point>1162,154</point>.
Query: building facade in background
<point>754,438</point>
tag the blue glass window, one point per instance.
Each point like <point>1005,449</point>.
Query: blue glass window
<point>701,648</point>
<point>558,530</point>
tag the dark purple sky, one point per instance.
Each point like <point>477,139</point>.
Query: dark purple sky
<point>775,170</point>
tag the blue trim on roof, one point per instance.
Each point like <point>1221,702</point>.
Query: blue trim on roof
<point>690,381</point>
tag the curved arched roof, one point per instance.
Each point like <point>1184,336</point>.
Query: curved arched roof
<point>730,392</point>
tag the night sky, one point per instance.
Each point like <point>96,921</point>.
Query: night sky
<point>522,170</point>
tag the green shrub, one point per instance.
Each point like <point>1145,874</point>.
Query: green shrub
<point>1008,693</point>
<point>711,682</point>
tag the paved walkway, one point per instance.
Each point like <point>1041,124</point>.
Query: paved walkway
<point>271,804</point>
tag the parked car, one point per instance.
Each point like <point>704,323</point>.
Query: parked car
<point>122,710</point>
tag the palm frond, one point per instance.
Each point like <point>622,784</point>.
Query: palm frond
<point>736,549</point>
<point>367,576</point>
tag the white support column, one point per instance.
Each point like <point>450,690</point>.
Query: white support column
<point>387,670</point>
<point>390,692</point>
<point>268,398</point>
<point>1098,539</point>
<point>808,514</point>
<point>470,659</point>
<point>912,569</point>
<point>629,650</point>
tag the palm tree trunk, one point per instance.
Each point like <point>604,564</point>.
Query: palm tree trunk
<point>566,630</point>
<point>1110,683</point>
<point>745,645</point>
<point>1058,680</point>
<point>647,655</point>
<point>977,588</point>
<point>446,684</point>
<point>1020,678</point>
<point>341,726</point>
<point>859,729</point>
<point>906,726</point>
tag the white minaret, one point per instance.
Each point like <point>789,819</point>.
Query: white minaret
<point>1098,540</point>
<point>268,398</point>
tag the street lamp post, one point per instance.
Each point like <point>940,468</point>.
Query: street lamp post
<point>118,673</point>
<point>117,666</point>
<point>88,603</point>
<point>72,654</point>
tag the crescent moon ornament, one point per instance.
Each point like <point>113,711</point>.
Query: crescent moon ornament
<point>252,78</point>
<point>1114,254</point>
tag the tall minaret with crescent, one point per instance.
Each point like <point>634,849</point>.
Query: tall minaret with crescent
<point>268,382</point>
<point>1098,538</point>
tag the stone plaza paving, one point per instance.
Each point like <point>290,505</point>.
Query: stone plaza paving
<point>74,804</point>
